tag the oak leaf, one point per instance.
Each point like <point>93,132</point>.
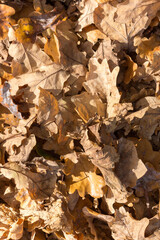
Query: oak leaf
<point>102,82</point>
<point>123,23</point>
<point>27,58</point>
<point>123,226</point>
<point>87,106</point>
<point>40,182</point>
<point>83,178</point>
<point>50,77</point>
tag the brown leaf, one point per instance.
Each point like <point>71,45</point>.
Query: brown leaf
<point>40,183</point>
<point>50,77</point>
<point>22,153</point>
<point>105,159</point>
<point>83,178</point>
<point>88,106</point>
<point>102,82</point>
<point>27,58</point>
<point>124,226</point>
<point>87,8</point>
<point>123,23</point>
<point>129,168</point>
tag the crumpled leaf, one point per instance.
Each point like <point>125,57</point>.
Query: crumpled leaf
<point>123,23</point>
<point>88,106</point>
<point>27,58</point>
<point>50,77</point>
<point>54,217</point>
<point>40,182</point>
<point>124,226</point>
<point>105,159</point>
<point>83,178</point>
<point>6,100</point>
<point>11,227</point>
<point>102,82</point>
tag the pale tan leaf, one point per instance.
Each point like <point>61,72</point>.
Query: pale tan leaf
<point>124,22</point>
<point>30,57</point>
<point>50,77</point>
<point>102,82</point>
<point>24,150</point>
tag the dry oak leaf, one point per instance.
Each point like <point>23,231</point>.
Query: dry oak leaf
<point>50,77</point>
<point>146,47</point>
<point>48,107</point>
<point>146,152</point>
<point>102,82</point>
<point>69,55</point>
<point>12,139</point>
<point>27,58</point>
<point>24,150</point>
<point>87,106</point>
<point>83,178</point>
<point>105,159</point>
<point>86,7</point>
<point>40,183</point>
<point>123,226</point>
<point>11,227</point>
<point>5,21</point>
<point>124,22</point>
<point>105,51</point>
<point>129,168</point>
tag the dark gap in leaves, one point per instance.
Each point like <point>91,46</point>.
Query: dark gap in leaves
<point>77,146</point>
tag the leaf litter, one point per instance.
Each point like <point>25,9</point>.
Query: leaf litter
<point>80,119</point>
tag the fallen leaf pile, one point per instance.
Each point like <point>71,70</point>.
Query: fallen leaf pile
<point>80,119</point>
